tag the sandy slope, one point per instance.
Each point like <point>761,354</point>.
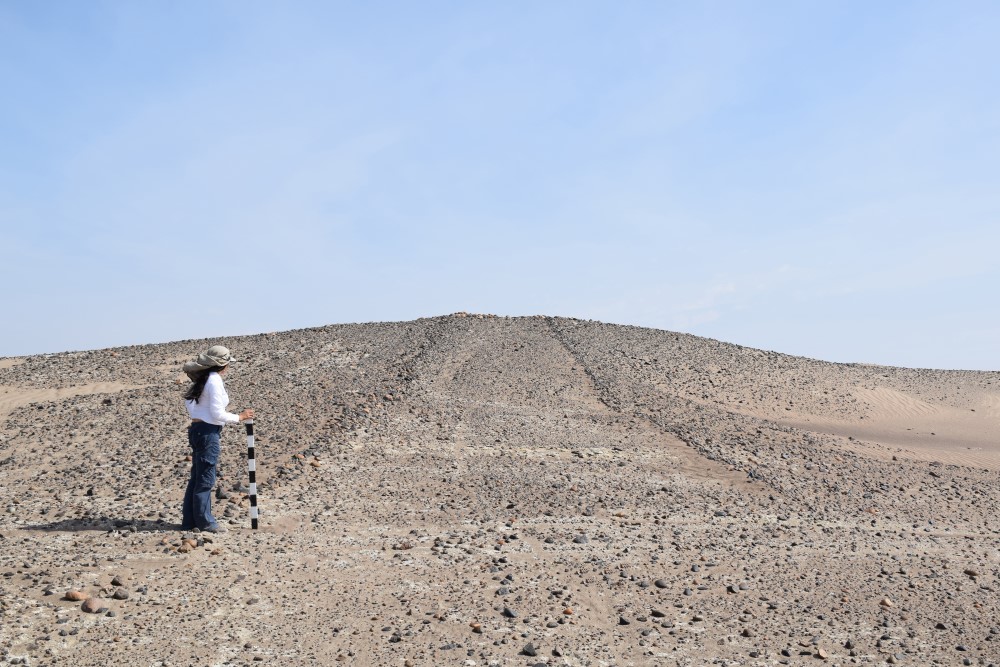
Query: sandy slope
<point>453,490</point>
<point>950,432</point>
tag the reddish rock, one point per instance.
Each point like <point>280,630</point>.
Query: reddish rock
<point>92,605</point>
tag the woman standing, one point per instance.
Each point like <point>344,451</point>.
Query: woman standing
<point>206,400</point>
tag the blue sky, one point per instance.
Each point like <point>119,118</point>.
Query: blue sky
<point>816,178</point>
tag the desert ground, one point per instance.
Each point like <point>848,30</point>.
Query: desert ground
<point>480,490</point>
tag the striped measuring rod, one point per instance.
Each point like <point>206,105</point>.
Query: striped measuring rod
<point>252,467</point>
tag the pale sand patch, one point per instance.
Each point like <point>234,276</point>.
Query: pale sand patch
<point>990,406</point>
<point>12,398</point>
<point>10,362</point>
<point>692,465</point>
<point>888,403</point>
<point>921,430</point>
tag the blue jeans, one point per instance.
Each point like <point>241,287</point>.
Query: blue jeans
<point>206,445</point>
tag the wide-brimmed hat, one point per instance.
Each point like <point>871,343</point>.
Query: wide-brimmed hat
<point>213,357</point>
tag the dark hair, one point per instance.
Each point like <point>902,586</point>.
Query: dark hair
<point>198,383</point>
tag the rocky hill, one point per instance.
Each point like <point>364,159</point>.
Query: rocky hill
<point>477,490</point>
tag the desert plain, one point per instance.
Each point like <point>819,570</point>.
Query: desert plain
<point>482,490</point>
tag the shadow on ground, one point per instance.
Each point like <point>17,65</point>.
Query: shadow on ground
<point>106,524</point>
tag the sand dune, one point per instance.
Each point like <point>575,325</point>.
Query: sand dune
<point>891,404</point>
<point>919,429</point>
<point>474,490</point>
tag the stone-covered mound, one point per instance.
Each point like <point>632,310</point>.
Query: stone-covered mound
<point>476,490</point>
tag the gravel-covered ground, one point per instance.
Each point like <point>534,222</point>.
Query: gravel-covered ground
<point>476,490</point>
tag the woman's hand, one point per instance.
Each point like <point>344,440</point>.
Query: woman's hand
<point>246,414</point>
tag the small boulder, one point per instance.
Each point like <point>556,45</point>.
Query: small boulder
<point>93,606</point>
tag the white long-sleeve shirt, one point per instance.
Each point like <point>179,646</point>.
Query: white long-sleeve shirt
<point>211,406</point>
